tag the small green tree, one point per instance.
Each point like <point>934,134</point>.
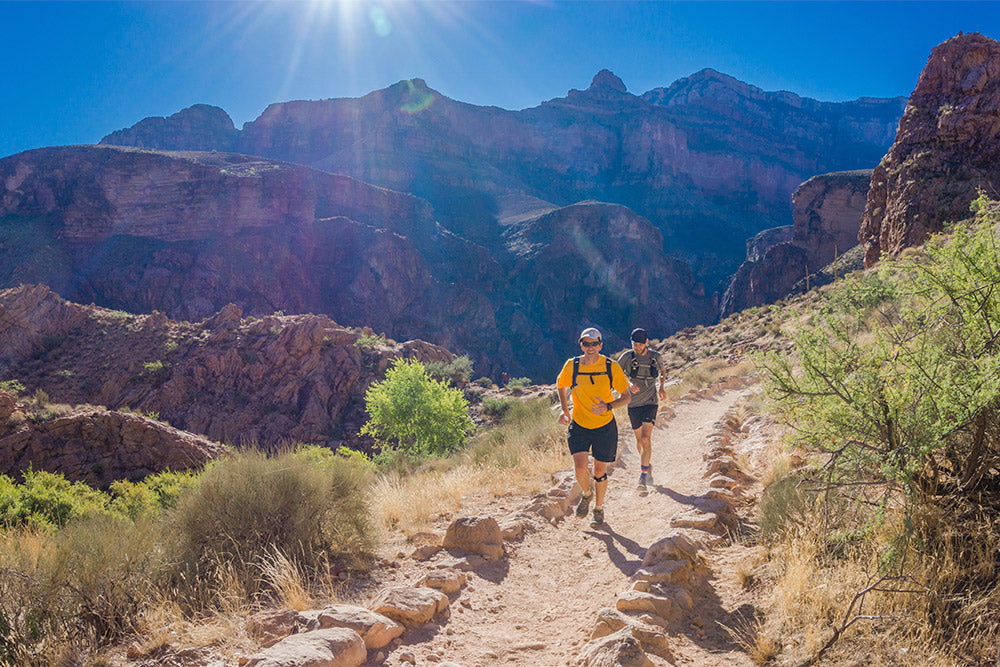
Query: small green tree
<point>416,414</point>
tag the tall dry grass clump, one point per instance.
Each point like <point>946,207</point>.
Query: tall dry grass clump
<point>85,586</point>
<point>307,505</point>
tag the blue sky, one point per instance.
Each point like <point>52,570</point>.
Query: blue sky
<point>76,71</point>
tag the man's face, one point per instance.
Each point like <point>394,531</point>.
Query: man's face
<point>590,345</point>
<point>639,348</point>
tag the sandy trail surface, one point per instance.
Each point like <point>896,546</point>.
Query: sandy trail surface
<point>538,606</point>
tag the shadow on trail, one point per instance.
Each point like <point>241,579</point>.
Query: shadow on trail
<point>619,558</point>
<point>682,498</point>
<point>710,625</point>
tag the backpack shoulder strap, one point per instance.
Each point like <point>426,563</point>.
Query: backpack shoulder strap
<point>576,371</point>
<point>611,380</point>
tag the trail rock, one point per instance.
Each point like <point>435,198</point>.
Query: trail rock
<point>445,580</point>
<point>410,606</point>
<point>650,638</point>
<point>375,629</point>
<point>332,647</point>
<point>271,626</point>
<point>671,548</point>
<point>480,535</point>
<point>633,600</point>
<point>619,649</point>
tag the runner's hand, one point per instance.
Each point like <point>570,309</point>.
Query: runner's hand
<point>634,388</point>
<point>564,417</point>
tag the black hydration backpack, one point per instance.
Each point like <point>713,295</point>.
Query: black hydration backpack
<point>577,371</point>
<point>634,366</point>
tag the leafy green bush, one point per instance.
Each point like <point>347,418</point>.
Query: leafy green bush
<point>309,504</point>
<point>369,342</point>
<point>411,412</point>
<point>897,382</point>
<point>498,407</point>
<point>47,500</point>
<point>12,386</point>
<point>519,383</point>
<point>483,382</point>
<point>458,370</point>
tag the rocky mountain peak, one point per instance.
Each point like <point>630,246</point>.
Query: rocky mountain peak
<point>607,80</point>
<point>198,127</point>
<point>945,149</point>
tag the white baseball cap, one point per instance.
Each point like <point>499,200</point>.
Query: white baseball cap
<point>590,332</point>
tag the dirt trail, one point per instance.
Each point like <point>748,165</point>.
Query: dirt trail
<point>537,607</point>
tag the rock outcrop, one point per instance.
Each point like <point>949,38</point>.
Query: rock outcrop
<point>201,127</point>
<point>827,213</point>
<point>187,233</point>
<point>709,160</point>
<point>100,446</point>
<point>946,149</point>
<point>604,260</point>
<point>238,380</point>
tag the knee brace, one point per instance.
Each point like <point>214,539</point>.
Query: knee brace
<point>601,478</point>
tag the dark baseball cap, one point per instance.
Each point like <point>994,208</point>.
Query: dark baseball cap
<point>639,335</point>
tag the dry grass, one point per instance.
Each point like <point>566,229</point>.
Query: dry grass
<point>518,457</point>
<point>286,580</point>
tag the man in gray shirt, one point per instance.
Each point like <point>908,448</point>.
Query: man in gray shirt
<point>643,368</point>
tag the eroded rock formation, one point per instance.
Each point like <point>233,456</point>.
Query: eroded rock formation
<point>238,380</point>
<point>827,216</point>
<point>187,233</point>
<point>946,149</point>
<point>708,160</point>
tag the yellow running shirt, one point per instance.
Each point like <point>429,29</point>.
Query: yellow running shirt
<point>591,389</point>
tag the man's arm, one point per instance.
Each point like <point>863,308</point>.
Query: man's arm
<point>564,416</point>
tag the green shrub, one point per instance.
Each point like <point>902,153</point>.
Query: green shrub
<point>169,486</point>
<point>132,500</point>
<point>458,370</point>
<point>483,382</point>
<point>47,500</point>
<point>498,407</point>
<point>411,412</point>
<point>309,505</point>
<point>369,341</point>
<point>11,386</point>
<point>153,367</point>
<point>519,383</point>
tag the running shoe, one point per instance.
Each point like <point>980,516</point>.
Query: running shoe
<point>597,520</point>
<point>584,506</point>
<point>641,487</point>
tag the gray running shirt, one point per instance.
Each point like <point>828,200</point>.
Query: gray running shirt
<point>644,380</point>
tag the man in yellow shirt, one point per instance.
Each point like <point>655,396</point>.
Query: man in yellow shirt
<point>589,379</point>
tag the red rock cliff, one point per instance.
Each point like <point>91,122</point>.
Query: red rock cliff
<point>947,148</point>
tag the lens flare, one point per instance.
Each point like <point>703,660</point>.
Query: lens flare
<point>416,99</point>
<point>380,21</point>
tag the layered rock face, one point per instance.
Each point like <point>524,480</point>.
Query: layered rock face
<point>709,160</point>
<point>187,233</point>
<point>946,149</point>
<point>827,213</point>
<point>594,264</point>
<point>99,447</point>
<point>241,381</point>
<point>199,127</point>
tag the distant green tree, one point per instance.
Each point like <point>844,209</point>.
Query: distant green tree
<point>412,412</point>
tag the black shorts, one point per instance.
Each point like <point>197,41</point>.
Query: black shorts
<point>602,441</point>
<point>643,414</point>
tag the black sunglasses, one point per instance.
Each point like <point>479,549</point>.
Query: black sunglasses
<point>588,343</point>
